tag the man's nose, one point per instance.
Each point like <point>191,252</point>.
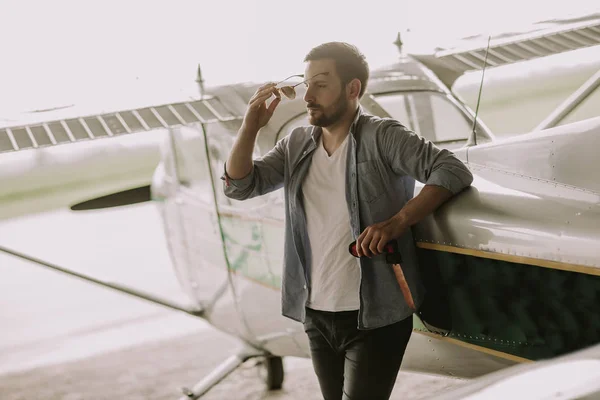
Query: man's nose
<point>308,95</point>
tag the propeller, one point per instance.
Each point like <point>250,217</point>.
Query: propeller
<point>124,198</point>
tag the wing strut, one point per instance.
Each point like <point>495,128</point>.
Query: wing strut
<point>197,312</point>
<point>571,103</point>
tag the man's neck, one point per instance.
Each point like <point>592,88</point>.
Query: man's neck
<point>334,135</point>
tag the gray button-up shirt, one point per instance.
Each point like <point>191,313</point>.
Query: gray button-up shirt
<point>384,160</point>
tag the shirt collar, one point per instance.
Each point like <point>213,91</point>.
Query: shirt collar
<point>359,113</point>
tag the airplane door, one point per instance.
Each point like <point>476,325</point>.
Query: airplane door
<point>192,226</point>
<point>253,232</point>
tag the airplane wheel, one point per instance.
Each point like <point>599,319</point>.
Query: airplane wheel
<point>270,370</point>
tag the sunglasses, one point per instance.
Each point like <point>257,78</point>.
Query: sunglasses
<point>289,91</point>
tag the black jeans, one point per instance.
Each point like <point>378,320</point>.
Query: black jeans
<point>355,364</point>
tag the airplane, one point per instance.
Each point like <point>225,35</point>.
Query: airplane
<point>510,264</point>
<point>538,381</point>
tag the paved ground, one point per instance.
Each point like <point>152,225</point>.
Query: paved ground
<point>157,371</point>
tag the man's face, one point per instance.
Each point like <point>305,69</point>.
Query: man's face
<point>325,96</point>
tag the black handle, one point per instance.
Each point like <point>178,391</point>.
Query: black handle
<point>391,249</point>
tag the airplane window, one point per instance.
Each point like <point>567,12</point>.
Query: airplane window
<point>449,122</point>
<point>416,109</point>
<point>399,108</point>
<point>587,109</point>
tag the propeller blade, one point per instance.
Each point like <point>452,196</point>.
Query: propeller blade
<point>124,198</point>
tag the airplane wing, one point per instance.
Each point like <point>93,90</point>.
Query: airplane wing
<point>38,172</point>
<point>546,38</point>
<point>43,133</point>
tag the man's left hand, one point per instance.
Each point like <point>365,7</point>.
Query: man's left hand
<point>373,239</point>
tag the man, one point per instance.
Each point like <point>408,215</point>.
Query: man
<point>348,176</point>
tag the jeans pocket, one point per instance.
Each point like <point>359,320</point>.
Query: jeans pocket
<point>308,321</point>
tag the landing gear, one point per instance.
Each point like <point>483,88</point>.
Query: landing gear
<point>270,370</point>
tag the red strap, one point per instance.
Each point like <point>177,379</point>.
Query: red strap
<point>404,286</point>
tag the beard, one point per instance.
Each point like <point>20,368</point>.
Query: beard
<point>325,118</point>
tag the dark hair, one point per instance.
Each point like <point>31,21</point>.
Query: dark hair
<point>350,63</point>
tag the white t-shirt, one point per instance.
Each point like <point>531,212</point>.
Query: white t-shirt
<point>335,273</point>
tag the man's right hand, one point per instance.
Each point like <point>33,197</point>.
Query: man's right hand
<point>258,114</point>
<point>239,162</point>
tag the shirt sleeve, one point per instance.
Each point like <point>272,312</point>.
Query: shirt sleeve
<point>267,175</point>
<point>409,154</point>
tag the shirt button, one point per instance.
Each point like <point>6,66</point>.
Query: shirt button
<point>304,287</point>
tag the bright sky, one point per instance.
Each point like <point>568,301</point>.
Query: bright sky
<point>64,51</point>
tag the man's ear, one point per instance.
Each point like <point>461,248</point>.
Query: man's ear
<point>353,88</point>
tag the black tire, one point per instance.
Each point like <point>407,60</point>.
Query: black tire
<point>271,372</point>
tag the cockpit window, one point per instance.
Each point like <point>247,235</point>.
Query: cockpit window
<point>429,114</point>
